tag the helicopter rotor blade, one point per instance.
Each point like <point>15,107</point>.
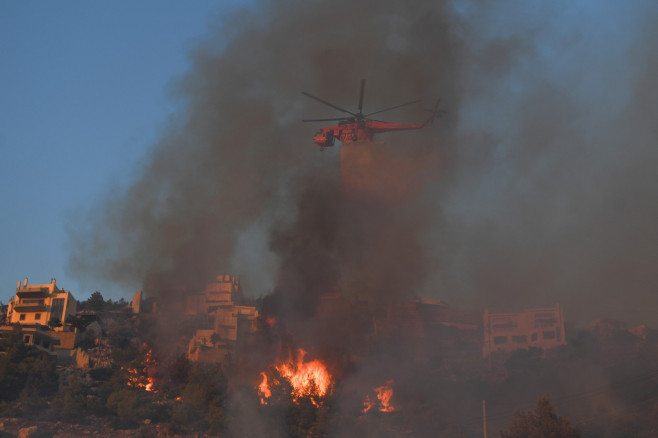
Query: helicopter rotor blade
<point>436,111</point>
<point>363,89</point>
<point>327,103</point>
<point>392,108</point>
<point>324,120</point>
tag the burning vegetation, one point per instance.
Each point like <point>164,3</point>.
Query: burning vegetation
<point>306,379</point>
<point>140,377</point>
<point>382,399</point>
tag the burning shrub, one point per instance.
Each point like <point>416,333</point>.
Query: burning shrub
<point>382,400</point>
<point>307,379</point>
<point>300,391</point>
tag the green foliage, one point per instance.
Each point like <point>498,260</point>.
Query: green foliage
<point>25,370</point>
<point>301,417</point>
<point>76,322</point>
<point>203,398</point>
<point>126,406</point>
<point>124,350</point>
<point>180,369</point>
<point>101,374</point>
<point>177,372</point>
<point>95,302</point>
<point>131,407</point>
<point>304,416</point>
<point>542,423</point>
<point>70,405</point>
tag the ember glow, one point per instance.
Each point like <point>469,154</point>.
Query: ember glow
<point>384,394</point>
<point>140,377</point>
<point>307,379</point>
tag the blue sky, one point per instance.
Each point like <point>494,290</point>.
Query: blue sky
<point>548,194</point>
<point>85,89</point>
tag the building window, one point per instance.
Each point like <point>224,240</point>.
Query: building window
<point>37,316</point>
<point>499,340</point>
<point>522,339</point>
<point>22,317</point>
<point>548,334</point>
<point>533,337</point>
<point>26,339</point>
<point>57,308</point>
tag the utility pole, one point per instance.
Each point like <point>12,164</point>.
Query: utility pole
<point>484,418</point>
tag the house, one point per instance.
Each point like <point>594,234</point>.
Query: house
<point>222,322</point>
<point>35,307</point>
<point>540,327</point>
<point>36,335</point>
<point>40,304</point>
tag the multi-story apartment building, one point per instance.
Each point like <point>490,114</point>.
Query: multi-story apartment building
<point>222,322</point>
<point>541,328</point>
<point>40,304</point>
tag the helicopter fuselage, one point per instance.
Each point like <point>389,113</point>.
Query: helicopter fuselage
<point>360,130</point>
<point>360,127</point>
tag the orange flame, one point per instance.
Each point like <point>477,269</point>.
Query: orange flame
<point>367,404</point>
<point>384,394</point>
<point>308,379</point>
<point>140,378</point>
<point>264,390</point>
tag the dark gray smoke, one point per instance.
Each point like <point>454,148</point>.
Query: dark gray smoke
<point>539,186</point>
<point>545,189</point>
<point>239,166</point>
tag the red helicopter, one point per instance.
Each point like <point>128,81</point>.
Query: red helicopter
<point>359,127</point>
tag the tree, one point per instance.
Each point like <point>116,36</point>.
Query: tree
<point>24,369</point>
<point>96,302</point>
<point>542,423</point>
<point>76,321</point>
<point>203,398</point>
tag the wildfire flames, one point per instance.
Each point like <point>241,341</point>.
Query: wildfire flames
<point>264,390</point>
<point>384,394</point>
<point>307,379</point>
<point>139,377</point>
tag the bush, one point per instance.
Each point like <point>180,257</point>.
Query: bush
<point>203,398</point>
<point>23,366</point>
<point>70,404</point>
<point>543,422</point>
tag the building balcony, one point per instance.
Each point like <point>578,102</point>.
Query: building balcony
<point>31,307</point>
<point>33,293</point>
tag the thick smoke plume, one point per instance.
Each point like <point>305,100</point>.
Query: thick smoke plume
<point>543,185</point>
<point>539,186</point>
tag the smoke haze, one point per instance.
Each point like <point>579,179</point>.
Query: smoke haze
<point>544,187</point>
